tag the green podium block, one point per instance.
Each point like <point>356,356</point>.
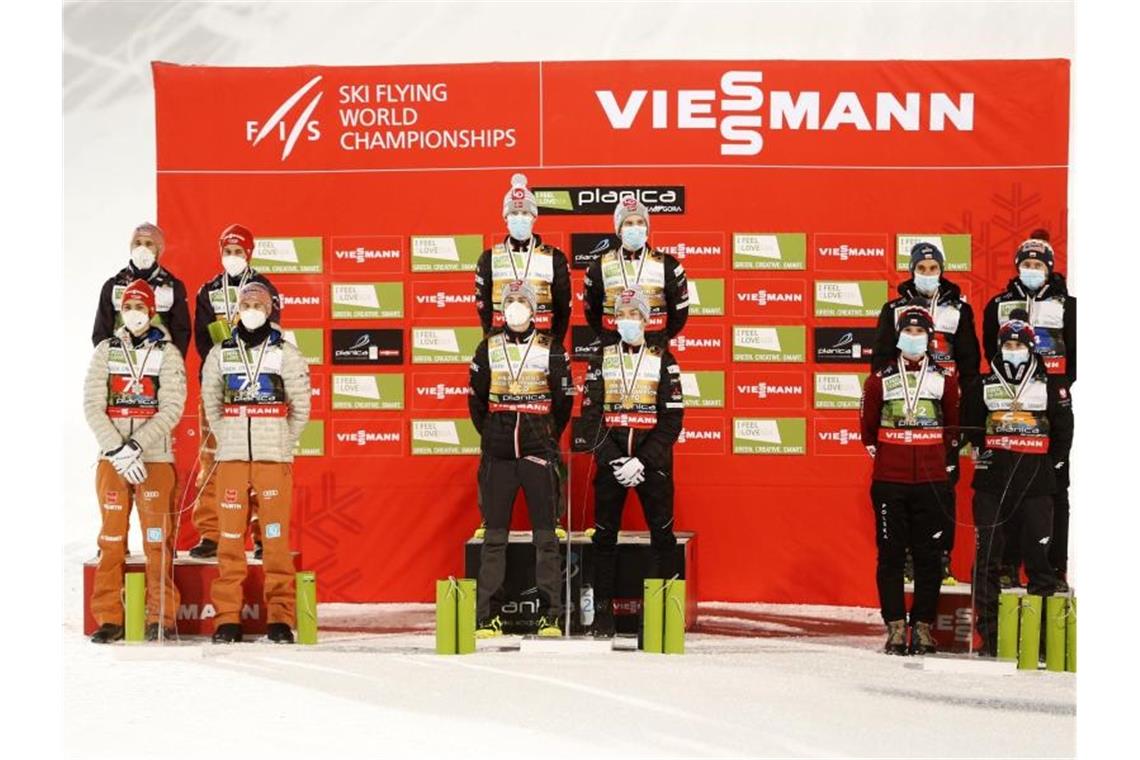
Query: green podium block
<point>1071,637</point>
<point>136,607</point>
<point>465,617</point>
<point>1029,641</point>
<point>674,617</point>
<point>446,614</point>
<point>653,615</point>
<point>306,607</point>
<point>1007,626</point>
<point>1055,614</point>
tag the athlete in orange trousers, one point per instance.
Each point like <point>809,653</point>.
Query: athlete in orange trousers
<point>256,393</point>
<point>133,398</point>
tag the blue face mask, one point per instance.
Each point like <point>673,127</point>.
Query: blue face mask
<point>1031,278</point>
<point>1016,357</point>
<point>926,283</point>
<point>520,226</point>
<point>913,345</point>
<point>631,331</point>
<point>634,237</point>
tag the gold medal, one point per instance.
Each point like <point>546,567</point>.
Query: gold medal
<point>1015,406</point>
<point>515,388</point>
<point>627,403</point>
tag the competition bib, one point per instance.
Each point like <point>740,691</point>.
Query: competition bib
<point>520,379</point>
<point>646,271</point>
<point>535,268</point>
<point>631,381</point>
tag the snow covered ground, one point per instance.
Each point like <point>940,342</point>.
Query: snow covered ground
<point>773,680</point>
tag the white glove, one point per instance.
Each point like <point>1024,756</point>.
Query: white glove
<point>1058,466</point>
<point>637,480</point>
<point>951,467</point>
<point>629,472</point>
<point>127,461</point>
<point>135,472</point>
<point>871,450</point>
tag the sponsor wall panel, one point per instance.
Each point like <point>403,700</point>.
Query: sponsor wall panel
<point>781,230</point>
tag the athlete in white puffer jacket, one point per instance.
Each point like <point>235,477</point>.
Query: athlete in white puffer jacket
<point>256,395</point>
<point>133,399</point>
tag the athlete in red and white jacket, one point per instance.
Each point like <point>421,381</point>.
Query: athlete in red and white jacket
<point>909,417</point>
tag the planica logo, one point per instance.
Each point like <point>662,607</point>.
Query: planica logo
<point>749,108</point>
<point>278,124</point>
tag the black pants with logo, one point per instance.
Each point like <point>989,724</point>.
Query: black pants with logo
<point>1033,516</point>
<point>1059,546</point>
<point>656,495</point>
<point>909,516</point>
<point>499,484</point>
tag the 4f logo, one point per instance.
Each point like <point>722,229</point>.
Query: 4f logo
<point>279,124</point>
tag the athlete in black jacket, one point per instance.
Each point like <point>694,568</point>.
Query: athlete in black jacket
<point>520,402</point>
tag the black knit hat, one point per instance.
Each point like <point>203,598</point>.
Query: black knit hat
<point>924,252</point>
<point>1036,247</point>
<point>915,316</point>
<point>1020,331</point>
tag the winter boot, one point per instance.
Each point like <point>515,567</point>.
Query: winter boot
<point>549,627</point>
<point>107,633</point>
<point>1009,577</point>
<point>227,633</point>
<point>490,628</point>
<point>948,578</point>
<point>279,633</point>
<point>896,637</point>
<point>152,632</point>
<point>603,619</point>
<point>205,549</point>
<point>922,639</point>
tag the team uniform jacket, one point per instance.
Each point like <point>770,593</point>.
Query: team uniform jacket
<point>169,302</point>
<point>910,452</point>
<point>528,418</point>
<point>258,421</point>
<point>210,306</point>
<point>546,271</point>
<point>662,280</point>
<point>643,422</point>
<point>1053,316</point>
<point>955,342</point>
<point>118,409</point>
<point>1018,448</point>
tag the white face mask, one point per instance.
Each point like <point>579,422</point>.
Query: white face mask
<point>632,331</point>
<point>234,265</point>
<point>136,321</point>
<point>517,315</point>
<point>142,257</point>
<point>520,226</point>
<point>252,319</point>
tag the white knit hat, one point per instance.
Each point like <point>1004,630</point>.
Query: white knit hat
<point>629,206</point>
<point>519,197</point>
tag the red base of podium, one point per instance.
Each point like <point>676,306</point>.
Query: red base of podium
<point>193,578</point>
<point>954,624</point>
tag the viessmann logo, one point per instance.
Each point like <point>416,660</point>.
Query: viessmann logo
<point>279,124</point>
<point>362,437</point>
<point>765,390</point>
<point>747,108</point>
<point>442,391</point>
<point>360,254</point>
<point>442,299</point>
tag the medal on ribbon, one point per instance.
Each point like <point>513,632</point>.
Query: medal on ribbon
<point>910,402</point>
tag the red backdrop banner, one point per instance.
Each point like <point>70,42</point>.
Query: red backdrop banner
<point>788,189</point>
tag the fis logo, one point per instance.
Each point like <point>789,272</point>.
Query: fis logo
<point>278,124</point>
